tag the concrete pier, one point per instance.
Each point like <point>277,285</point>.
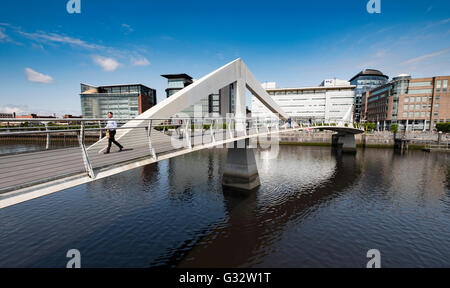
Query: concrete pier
<point>400,145</point>
<point>344,140</point>
<point>241,172</point>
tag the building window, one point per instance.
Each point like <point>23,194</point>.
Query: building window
<point>417,114</point>
<point>418,84</point>
<point>405,107</point>
<point>422,114</point>
<point>406,99</point>
<point>438,86</point>
<point>420,91</point>
<point>411,114</point>
<point>411,107</point>
<point>424,99</point>
<point>417,106</point>
<point>405,114</point>
<point>444,86</point>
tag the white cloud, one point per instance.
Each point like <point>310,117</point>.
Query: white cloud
<point>57,38</point>
<point>381,53</point>
<point>19,110</point>
<point>25,110</point>
<point>140,62</point>
<point>5,38</point>
<point>34,76</point>
<point>108,64</point>
<point>2,35</point>
<point>43,37</point>
<point>127,28</point>
<point>427,56</point>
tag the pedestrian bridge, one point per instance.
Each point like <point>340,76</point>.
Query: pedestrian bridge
<point>72,149</point>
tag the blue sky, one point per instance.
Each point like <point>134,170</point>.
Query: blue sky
<point>46,52</point>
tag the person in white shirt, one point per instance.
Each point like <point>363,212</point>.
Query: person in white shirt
<point>111,127</point>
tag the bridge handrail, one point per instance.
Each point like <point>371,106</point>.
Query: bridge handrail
<point>159,122</point>
<point>115,119</point>
<point>150,134</point>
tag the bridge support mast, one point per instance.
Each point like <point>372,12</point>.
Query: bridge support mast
<point>241,172</point>
<point>344,140</point>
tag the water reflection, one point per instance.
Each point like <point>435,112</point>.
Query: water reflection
<point>256,220</point>
<point>314,208</point>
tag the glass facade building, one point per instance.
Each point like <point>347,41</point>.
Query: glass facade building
<point>364,81</point>
<point>125,101</point>
<point>176,82</point>
<point>412,103</point>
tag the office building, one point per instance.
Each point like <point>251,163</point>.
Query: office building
<point>412,103</point>
<point>8,115</point>
<point>329,101</point>
<point>176,82</point>
<point>365,80</point>
<point>125,101</point>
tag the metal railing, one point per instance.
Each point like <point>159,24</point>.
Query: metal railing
<point>56,148</point>
<point>437,145</point>
<point>38,150</point>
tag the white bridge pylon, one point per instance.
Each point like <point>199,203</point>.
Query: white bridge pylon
<point>348,118</point>
<point>235,71</point>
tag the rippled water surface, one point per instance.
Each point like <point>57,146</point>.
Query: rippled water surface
<point>314,208</point>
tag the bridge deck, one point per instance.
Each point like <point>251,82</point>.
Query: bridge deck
<point>25,169</point>
<point>25,176</point>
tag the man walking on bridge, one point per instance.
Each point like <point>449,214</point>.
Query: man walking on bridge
<point>111,127</point>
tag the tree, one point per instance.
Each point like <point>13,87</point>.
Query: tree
<point>444,127</point>
<point>394,128</point>
<point>369,126</point>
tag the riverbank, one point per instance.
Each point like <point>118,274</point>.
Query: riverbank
<point>380,140</point>
<point>377,146</point>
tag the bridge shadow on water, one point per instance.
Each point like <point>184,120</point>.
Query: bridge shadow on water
<point>247,230</point>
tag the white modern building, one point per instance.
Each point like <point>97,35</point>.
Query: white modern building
<point>329,101</point>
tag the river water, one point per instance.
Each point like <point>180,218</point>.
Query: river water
<point>314,208</point>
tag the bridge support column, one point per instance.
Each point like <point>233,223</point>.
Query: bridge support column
<point>335,140</point>
<point>241,172</point>
<point>344,140</point>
